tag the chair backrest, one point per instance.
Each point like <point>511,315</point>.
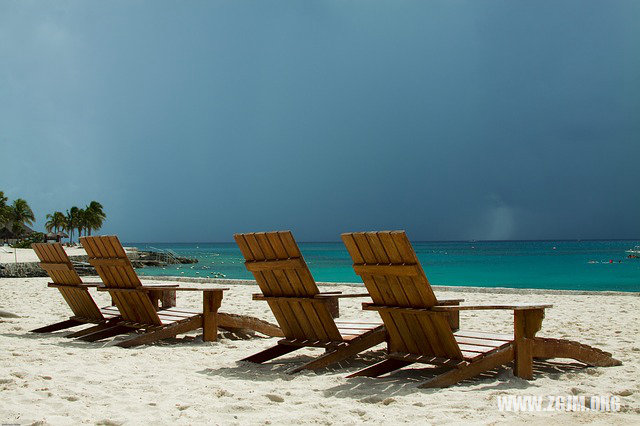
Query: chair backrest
<point>285,280</point>
<point>107,255</point>
<point>55,261</point>
<point>394,278</point>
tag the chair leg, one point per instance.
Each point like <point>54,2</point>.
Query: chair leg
<point>211,304</point>
<point>165,332</point>
<point>105,333</point>
<point>491,361</point>
<point>271,353</point>
<point>354,347</point>
<point>57,326</point>
<point>381,368</point>
<point>546,348</point>
<point>235,321</point>
<point>523,363</point>
<point>89,330</point>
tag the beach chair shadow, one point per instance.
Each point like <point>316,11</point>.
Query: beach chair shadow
<point>280,369</point>
<point>404,382</point>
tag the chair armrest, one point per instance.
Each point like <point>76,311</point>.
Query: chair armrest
<point>324,295</point>
<point>81,285</point>
<point>176,288</point>
<point>156,288</point>
<point>92,283</point>
<point>337,295</point>
<point>447,302</point>
<point>514,307</point>
<point>160,285</point>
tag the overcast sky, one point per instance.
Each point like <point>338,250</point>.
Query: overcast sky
<point>454,120</point>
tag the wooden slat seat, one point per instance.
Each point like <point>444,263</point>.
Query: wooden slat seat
<point>302,312</point>
<point>417,326</point>
<point>472,351</point>
<point>110,312</point>
<point>484,335</point>
<point>350,330</point>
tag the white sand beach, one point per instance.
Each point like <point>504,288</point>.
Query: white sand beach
<point>48,379</point>
<point>27,255</point>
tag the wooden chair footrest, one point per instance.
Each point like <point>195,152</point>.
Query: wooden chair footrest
<point>559,348</point>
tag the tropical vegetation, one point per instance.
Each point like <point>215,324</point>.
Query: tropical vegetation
<point>82,221</point>
<point>15,217</point>
<point>4,209</point>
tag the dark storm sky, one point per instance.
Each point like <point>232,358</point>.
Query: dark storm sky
<point>192,120</point>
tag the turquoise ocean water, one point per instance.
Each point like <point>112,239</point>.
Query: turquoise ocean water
<point>566,265</point>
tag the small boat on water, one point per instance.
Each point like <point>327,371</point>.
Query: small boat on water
<point>634,253</point>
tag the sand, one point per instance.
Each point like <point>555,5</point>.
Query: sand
<point>26,255</point>
<point>53,380</point>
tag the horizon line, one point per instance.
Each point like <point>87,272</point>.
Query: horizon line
<point>415,241</point>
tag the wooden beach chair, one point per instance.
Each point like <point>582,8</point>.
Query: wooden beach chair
<point>302,311</point>
<point>55,261</point>
<point>138,311</point>
<point>418,330</point>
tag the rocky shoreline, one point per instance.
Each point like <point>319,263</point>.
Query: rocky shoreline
<point>139,259</point>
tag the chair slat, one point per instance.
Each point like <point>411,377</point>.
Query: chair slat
<point>61,271</point>
<point>386,270</point>
<point>116,271</point>
<point>394,277</point>
<point>272,265</point>
<point>286,282</point>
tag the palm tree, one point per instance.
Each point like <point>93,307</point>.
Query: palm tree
<point>82,223</point>
<point>55,222</point>
<point>71,222</point>
<point>48,225</point>
<point>95,216</point>
<point>58,221</point>
<point>4,209</point>
<point>21,214</point>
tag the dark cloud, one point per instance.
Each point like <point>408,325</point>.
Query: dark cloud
<point>453,120</point>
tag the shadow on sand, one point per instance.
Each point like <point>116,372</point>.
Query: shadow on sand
<point>58,338</point>
<point>401,382</point>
